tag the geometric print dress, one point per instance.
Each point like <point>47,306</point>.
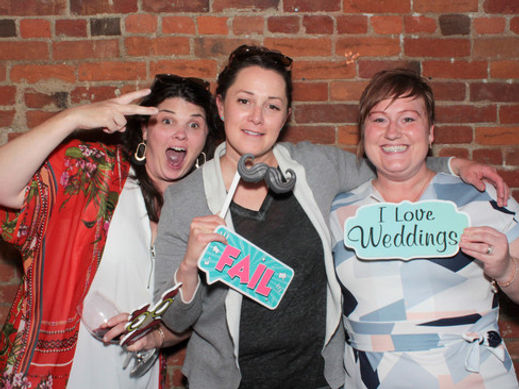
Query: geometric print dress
<point>428,322</point>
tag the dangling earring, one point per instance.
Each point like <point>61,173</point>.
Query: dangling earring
<point>198,164</point>
<point>139,157</point>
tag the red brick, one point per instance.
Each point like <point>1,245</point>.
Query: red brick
<point>69,27</point>
<point>316,134</point>
<point>248,24</point>
<point>451,152</point>
<point>448,91</point>
<point>501,7</point>
<point>322,70</point>
<point>178,24</point>
<point>326,113</point>
<point>112,71</point>
<point>511,177</point>
<point>220,5</point>
<point>496,48</point>
<point>202,68</point>
<point>368,68</point>
<point>348,135</point>
<point>432,47</point>
<point>352,24</point>
<point>488,156</point>
<point>283,24</point>
<point>7,292</point>
<point>497,135</point>
<point>454,24</point>
<point>494,91</point>
<point>207,47</point>
<point>22,50</point>
<point>141,23</point>
<point>311,5</point>
<point>34,73</point>
<point>3,72</point>
<point>466,114</point>
<point>301,47</point>
<point>514,25</point>
<point>489,25</point>
<point>37,117</point>
<point>35,28</point>
<point>416,24</point>
<point>310,91</point>
<point>83,95</point>
<point>7,95</point>
<point>6,117</point>
<point>509,114</point>
<point>318,24</point>
<point>512,158</point>
<point>389,24</point>
<point>84,49</point>
<point>452,134</point>
<point>369,46</point>
<point>441,6</point>
<point>515,195</point>
<point>163,45</point>
<point>346,90</point>
<point>212,25</point>
<point>9,272</point>
<point>94,7</point>
<point>55,100</point>
<point>33,7</point>
<point>376,6</point>
<point>455,69</point>
<point>504,69</point>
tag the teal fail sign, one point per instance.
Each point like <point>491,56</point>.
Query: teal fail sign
<point>246,268</point>
<point>425,229</point>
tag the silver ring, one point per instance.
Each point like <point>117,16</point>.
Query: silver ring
<point>490,250</point>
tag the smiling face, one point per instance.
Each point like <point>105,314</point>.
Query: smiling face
<point>397,136</point>
<point>255,110</point>
<point>174,139</point>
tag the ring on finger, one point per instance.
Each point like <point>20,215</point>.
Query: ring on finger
<point>490,250</point>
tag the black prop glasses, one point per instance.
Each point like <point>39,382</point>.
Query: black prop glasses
<point>245,51</point>
<point>164,80</point>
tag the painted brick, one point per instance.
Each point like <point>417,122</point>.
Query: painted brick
<point>455,69</point>
<point>512,158</point>
<point>494,92</point>
<point>164,45</point>
<point>509,114</point>
<point>284,24</point>
<point>514,25</point>
<point>21,50</point>
<point>302,47</point>
<point>326,113</point>
<point>310,91</point>
<point>7,28</point>
<point>352,24</point>
<point>202,68</point>
<point>311,5</point>
<point>109,71</point>
<point>430,47</point>
<point>455,24</point>
<point>100,48</point>
<point>419,24</point>
<point>369,46</point>
<point>466,114</point>
<point>212,25</point>
<point>207,47</point>
<point>72,28</point>
<point>504,69</point>
<point>178,24</point>
<point>376,6</point>
<point>83,95</point>
<point>96,7</point>
<point>140,23</point>
<point>316,134</point>
<point>389,24</point>
<point>489,25</point>
<point>6,117</point>
<point>248,25</point>
<point>105,26</point>
<point>348,135</point>
<point>451,152</point>
<point>258,5</point>
<point>439,6</point>
<point>346,90</point>
<point>501,6</point>
<point>452,134</point>
<point>496,47</point>
<point>448,91</point>
<point>368,68</point>
<point>322,70</point>
<point>33,73</point>
<point>33,7</point>
<point>497,135</point>
<point>55,100</point>
<point>488,156</point>
<point>7,95</point>
<point>35,28</point>
<point>318,24</point>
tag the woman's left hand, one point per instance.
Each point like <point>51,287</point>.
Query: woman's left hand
<point>476,174</point>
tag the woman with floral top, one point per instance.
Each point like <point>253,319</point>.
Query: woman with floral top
<point>84,217</point>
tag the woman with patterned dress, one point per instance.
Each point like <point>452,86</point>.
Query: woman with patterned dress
<point>425,322</point>
<point>84,217</point>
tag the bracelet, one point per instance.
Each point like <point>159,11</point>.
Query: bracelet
<point>161,333</point>
<point>509,282</point>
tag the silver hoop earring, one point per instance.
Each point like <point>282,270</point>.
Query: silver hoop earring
<point>197,163</point>
<point>140,154</point>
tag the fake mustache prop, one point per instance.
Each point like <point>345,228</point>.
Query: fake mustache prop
<point>272,176</point>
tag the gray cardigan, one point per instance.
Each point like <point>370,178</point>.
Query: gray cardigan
<point>214,311</point>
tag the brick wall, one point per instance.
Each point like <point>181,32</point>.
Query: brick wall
<point>61,53</point>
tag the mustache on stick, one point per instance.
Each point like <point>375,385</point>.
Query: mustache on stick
<point>272,176</point>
